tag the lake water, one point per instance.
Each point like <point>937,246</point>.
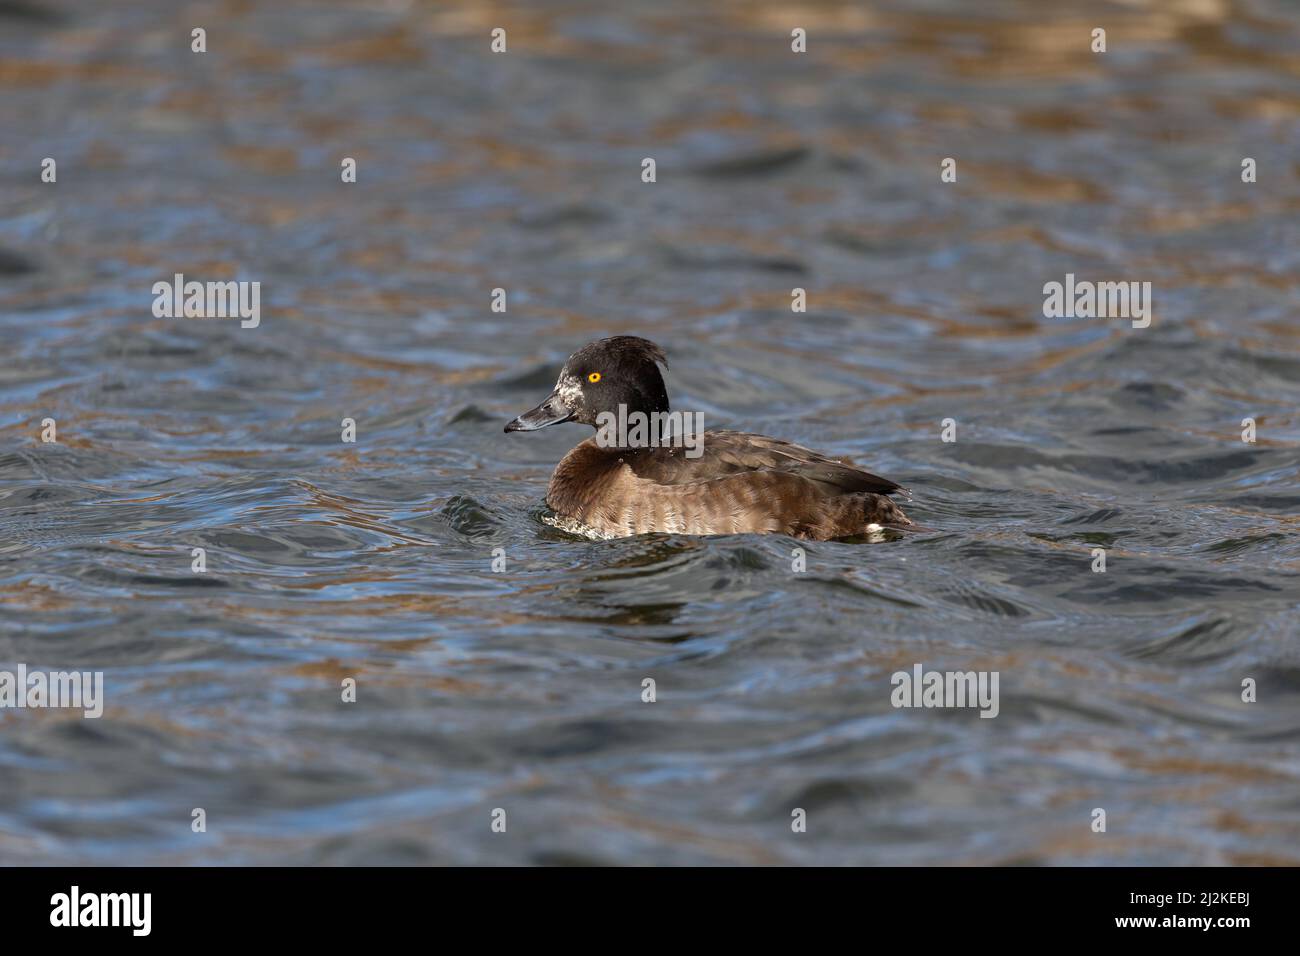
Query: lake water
<point>521,689</point>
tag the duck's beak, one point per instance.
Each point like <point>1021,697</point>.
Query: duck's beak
<point>550,412</point>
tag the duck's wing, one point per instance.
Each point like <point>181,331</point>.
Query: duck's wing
<point>726,453</point>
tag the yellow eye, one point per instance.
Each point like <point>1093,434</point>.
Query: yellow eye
<point>593,378</point>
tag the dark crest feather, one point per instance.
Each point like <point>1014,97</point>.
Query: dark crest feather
<point>629,345</point>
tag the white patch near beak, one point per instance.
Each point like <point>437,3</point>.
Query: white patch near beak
<point>570,391</point>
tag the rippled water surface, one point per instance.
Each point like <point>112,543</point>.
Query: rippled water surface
<point>522,689</point>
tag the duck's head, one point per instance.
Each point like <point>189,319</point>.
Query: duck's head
<point>599,377</point>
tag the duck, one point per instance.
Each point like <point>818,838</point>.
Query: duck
<point>623,482</point>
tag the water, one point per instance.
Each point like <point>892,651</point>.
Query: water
<point>521,690</point>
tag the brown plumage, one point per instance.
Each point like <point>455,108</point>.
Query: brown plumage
<point>739,483</point>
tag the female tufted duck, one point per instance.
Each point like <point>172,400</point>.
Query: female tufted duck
<point>733,483</point>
